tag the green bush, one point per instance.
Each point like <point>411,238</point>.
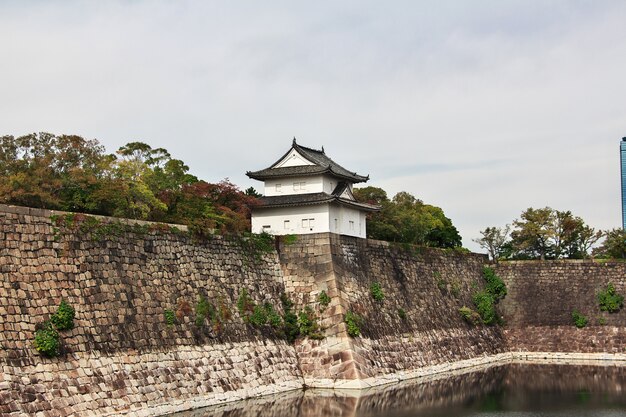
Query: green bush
<point>170,317</point>
<point>579,320</point>
<point>402,314</point>
<point>323,299</point>
<point>609,300</point>
<point>353,323</point>
<point>470,316</point>
<point>377,292</point>
<point>47,340</point>
<point>245,305</point>
<point>273,318</point>
<point>307,322</point>
<point>290,320</point>
<point>485,306</point>
<point>63,319</point>
<point>495,286</point>
<point>204,310</point>
<point>258,317</point>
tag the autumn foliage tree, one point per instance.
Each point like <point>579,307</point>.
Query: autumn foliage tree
<point>70,173</point>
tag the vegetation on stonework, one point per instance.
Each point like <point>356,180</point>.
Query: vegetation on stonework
<point>470,316</point>
<point>69,173</point>
<point>204,310</point>
<point>47,340</point>
<point>406,219</point>
<point>289,239</point>
<point>170,317</point>
<point>308,325</point>
<point>485,301</point>
<point>353,324</point>
<point>290,319</point>
<point>402,314</point>
<point>609,300</point>
<point>546,233</point>
<point>377,292</point>
<point>245,305</point>
<point>63,319</point>
<point>495,286</point>
<point>579,319</point>
<point>323,299</point>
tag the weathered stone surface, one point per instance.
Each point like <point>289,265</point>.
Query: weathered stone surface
<point>122,357</point>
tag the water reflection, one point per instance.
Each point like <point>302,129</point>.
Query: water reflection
<point>509,390</point>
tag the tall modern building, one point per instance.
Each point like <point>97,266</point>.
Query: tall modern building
<point>622,154</point>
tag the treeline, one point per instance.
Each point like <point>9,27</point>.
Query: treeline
<point>406,219</point>
<point>546,233</point>
<point>70,173</point>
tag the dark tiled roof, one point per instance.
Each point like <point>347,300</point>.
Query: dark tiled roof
<point>322,165</point>
<point>310,199</point>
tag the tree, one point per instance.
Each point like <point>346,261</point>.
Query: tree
<point>553,234</point>
<point>533,232</point>
<point>494,240</point>
<point>614,245</point>
<point>406,219</point>
<point>74,174</point>
<point>251,192</point>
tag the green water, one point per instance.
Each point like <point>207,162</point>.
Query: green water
<point>504,391</point>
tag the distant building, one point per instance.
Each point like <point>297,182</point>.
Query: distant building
<point>307,192</point>
<point>622,152</point>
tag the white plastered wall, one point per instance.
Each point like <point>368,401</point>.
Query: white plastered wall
<point>291,220</point>
<point>313,184</point>
<point>347,221</point>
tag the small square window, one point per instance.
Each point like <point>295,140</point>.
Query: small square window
<point>311,223</point>
<point>305,223</point>
<point>286,224</point>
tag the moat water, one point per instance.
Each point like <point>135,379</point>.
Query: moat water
<point>513,390</point>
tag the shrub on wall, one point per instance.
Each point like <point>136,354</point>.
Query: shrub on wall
<point>307,322</point>
<point>323,299</point>
<point>353,324</point>
<point>170,317</point>
<point>485,301</point>
<point>47,340</point>
<point>204,310</point>
<point>495,285</point>
<point>377,292</point>
<point>485,306</point>
<point>245,305</point>
<point>402,314</point>
<point>609,300</point>
<point>579,320</point>
<point>63,319</point>
<point>470,316</point>
<point>290,320</point>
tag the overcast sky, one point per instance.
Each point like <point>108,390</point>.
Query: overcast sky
<point>483,108</point>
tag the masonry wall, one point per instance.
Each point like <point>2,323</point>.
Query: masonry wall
<point>542,296</point>
<point>121,356</point>
<point>429,285</point>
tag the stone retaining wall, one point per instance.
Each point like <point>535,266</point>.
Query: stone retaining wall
<point>122,276</point>
<point>122,356</point>
<point>542,296</point>
<point>429,285</point>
